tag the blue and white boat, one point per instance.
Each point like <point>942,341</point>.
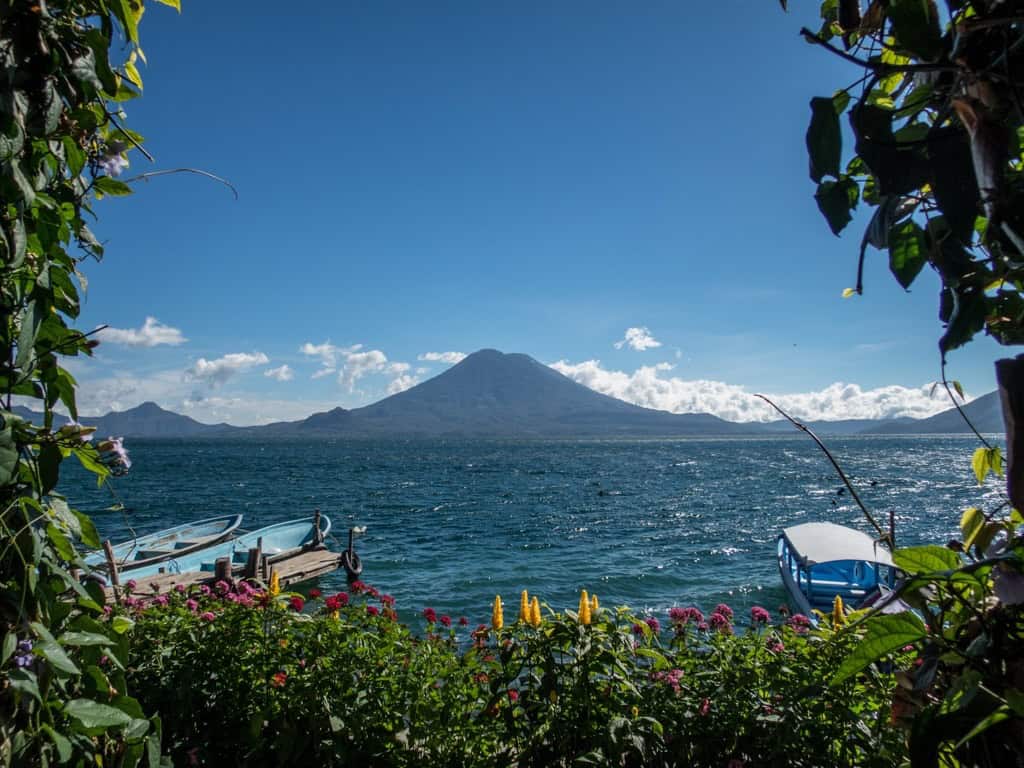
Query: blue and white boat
<point>168,543</point>
<point>818,561</point>
<point>277,541</point>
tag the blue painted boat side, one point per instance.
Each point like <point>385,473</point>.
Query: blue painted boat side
<point>817,586</point>
<point>278,539</point>
<point>176,537</point>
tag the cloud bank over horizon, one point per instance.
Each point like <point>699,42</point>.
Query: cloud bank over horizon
<point>651,387</point>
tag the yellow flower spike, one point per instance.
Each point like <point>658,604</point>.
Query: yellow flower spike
<point>524,607</point>
<point>275,584</point>
<point>497,616</point>
<point>594,605</point>
<point>838,614</point>
<point>584,611</point>
<point>535,612</point>
<point>636,712</point>
<point>336,615</point>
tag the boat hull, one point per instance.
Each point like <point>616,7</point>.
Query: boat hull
<point>276,541</point>
<point>169,543</point>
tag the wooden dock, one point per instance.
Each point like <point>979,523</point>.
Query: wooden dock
<point>294,569</point>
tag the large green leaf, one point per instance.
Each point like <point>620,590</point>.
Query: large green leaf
<point>92,714</point>
<point>926,559</point>
<point>907,248</point>
<point>51,650</point>
<point>965,310</point>
<point>915,24</point>
<point>8,451</point>
<point>835,200</point>
<point>824,140</point>
<point>885,634</point>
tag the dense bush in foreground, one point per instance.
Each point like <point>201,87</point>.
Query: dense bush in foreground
<point>239,675</point>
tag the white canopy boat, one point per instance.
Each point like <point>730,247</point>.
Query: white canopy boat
<point>818,561</point>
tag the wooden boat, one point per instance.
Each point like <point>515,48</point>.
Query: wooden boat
<point>277,541</point>
<point>168,543</point>
<point>818,561</point>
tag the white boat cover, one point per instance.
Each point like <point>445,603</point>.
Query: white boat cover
<point>813,543</point>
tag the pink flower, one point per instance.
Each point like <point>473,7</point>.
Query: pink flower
<point>336,602</point>
<point>702,627</point>
<point>314,594</point>
<point>130,585</point>
<point>357,587</point>
<point>192,605</point>
<point>683,616</point>
<point>430,615</point>
<point>205,589</point>
<point>776,646</point>
<point>179,587</point>
<point>387,600</point>
<point>207,616</point>
<point>759,615</point>
<point>373,610</point>
<point>799,623</point>
<point>279,679</point>
<point>463,621</point>
<point>161,600</point>
<point>297,604</point>
<point>222,587</point>
<point>513,696</point>
<point>720,623</point>
<point>446,621</point>
<point>705,707</point>
<point>654,624</point>
<point>725,610</point>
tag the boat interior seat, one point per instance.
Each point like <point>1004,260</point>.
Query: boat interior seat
<point>184,543</point>
<point>825,591</point>
<point>145,554</point>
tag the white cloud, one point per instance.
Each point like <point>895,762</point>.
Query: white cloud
<point>442,357</point>
<point>329,355</point>
<point>218,371</point>
<point>359,364</point>
<point>649,387</point>
<point>639,339</point>
<point>402,383</point>
<point>152,333</point>
<point>282,373</point>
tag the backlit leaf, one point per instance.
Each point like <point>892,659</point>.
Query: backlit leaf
<point>926,559</point>
<point>907,248</point>
<point>980,464</point>
<point>970,524</point>
<point>885,634</point>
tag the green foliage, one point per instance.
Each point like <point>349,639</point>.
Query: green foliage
<point>63,696</point>
<point>238,676</point>
<point>936,121</point>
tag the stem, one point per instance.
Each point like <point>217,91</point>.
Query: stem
<point>846,481</point>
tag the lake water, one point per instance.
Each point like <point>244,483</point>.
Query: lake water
<point>648,523</point>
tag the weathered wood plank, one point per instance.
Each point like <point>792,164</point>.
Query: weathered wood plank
<point>291,570</point>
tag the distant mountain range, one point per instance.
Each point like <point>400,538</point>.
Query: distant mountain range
<point>492,394</point>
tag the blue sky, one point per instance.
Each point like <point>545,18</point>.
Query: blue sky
<point>423,178</point>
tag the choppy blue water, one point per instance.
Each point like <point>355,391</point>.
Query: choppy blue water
<point>651,523</point>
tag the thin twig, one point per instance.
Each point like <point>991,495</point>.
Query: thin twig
<point>846,481</point>
<point>945,384</point>
<point>207,174</point>
<point>877,66</point>
<point>128,136</point>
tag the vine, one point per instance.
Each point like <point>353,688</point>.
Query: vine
<point>63,696</point>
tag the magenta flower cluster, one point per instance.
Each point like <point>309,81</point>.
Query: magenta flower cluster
<point>670,678</point>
